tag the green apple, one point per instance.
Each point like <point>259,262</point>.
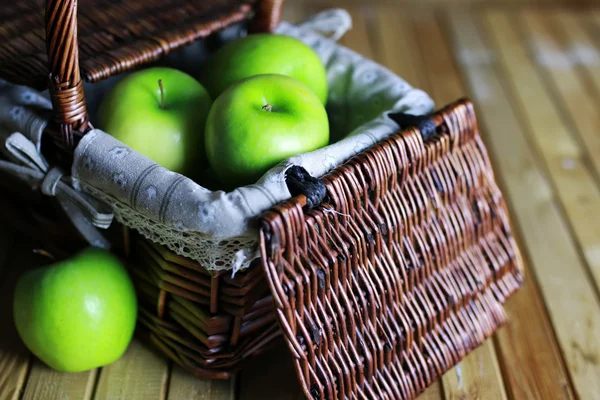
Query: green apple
<point>265,54</point>
<point>77,314</point>
<point>161,113</point>
<point>260,121</point>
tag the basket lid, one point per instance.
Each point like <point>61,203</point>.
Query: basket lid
<point>404,272</point>
<point>114,36</point>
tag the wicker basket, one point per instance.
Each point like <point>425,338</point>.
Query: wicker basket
<point>374,300</point>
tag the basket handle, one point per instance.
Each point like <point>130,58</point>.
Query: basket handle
<point>266,16</point>
<point>65,85</point>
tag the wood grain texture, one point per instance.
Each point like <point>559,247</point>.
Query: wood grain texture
<point>297,13</point>
<point>526,346</point>
<point>358,38</point>
<point>583,38</point>
<point>570,164</point>
<point>396,45</point>
<point>539,121</point>
<point>443,79</point>
<point>140,374</point>
<point>14,357</point>
<point>184,386</point>
<point>476,377</point>
<point>433,392</point>
<point>530,357</point>
<point>13,366</point>
<point>46,383</point>
<point>568,294</point>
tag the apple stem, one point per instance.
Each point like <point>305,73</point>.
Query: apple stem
<point>162,94</point>
<point>267,107</point>
<point>44,253</point>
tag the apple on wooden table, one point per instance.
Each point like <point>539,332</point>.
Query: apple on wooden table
<point>260,121</point>
<point>77,314</point>
<point>161,113</point>
<point>265,54</point>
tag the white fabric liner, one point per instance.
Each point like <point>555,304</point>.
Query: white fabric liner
<point>218,229</point>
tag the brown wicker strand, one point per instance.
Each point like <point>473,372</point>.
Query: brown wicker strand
<point>65,86</point>
<point>113,35</point>
<point>393,279</point>
<point>116,36</point>
<point>379,298</point>
<point>375,299</point>
<point>266,16</point>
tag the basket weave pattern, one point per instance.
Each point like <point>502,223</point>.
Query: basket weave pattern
<point>377,291</point>
<point>102,38</point>
<point>380,297</point>
<point>207,322</point>
<point>114,36</point>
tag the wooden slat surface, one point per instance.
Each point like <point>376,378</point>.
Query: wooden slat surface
<point>563,61</point>
<point>534,75</point>
<point>395,41</point>
<point>14,358</point>
<point>358,38</point>
<point>577,191</point>
<point>45,383</point>
<point>477,377</point>
<point>140,373</point>
<point>568,293</point>
<point>182,385</point>
<point>526,345</point>
<point>570,164</point>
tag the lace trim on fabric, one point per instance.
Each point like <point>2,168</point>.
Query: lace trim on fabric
<point>213,254</point>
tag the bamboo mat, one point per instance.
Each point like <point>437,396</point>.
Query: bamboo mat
<point>534,74</point>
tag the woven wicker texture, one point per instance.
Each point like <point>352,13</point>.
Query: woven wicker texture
<point>114,35</point>
<point>381,296</point>
<point>378,291</point>
<point>206,322</point>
